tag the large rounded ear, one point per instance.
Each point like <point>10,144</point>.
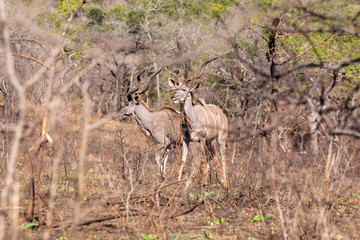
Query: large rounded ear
<point>196,87</point>
<point>172,83</point>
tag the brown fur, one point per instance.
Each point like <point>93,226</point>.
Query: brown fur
<point>199,101</point>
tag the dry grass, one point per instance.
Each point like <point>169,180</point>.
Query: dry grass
<point>124,196</point>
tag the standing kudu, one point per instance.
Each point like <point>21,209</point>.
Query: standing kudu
<point>204,122</point>
<point>161,126</point>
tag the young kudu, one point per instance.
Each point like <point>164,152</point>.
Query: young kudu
<point>204,122</point>
<point>161,126</point>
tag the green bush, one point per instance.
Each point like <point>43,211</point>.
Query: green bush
<point>96,15</point>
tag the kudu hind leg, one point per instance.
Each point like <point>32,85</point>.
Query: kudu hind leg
<point>222,146</point>
<point>158,160</point>
<point>165,157</point>
<point>205,162</point>
<point>161,158</point>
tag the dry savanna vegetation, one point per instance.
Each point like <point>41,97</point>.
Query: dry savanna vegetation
<point>75,164</point>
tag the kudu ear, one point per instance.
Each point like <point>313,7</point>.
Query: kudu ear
<point>172,83</point>
<point>137,98</point>
<point>129,98</point>
<point>196,87</point>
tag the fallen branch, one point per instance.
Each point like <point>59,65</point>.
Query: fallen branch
<point>188,210</point>
<point>122,215</point>
<point>95,220</point>
<point>150,194</point>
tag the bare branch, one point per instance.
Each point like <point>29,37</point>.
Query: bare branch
<point>28,57</point>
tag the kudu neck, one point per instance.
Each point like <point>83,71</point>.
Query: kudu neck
<point>182,108</point>
<point>142,113</point>
<point>187,109</point>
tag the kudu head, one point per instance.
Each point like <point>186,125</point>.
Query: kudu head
<point>134,90</point>
<point>183,87</point>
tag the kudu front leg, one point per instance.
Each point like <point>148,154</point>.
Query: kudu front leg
<point>185,150</point>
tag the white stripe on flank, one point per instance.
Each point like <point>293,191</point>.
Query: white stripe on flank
<point>222,118</point>
<point>207,120</point>
<point>213,118</point>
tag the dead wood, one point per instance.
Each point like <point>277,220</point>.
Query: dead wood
<point>187,210</point>
<point>121,215</point>
<point>96,220</point>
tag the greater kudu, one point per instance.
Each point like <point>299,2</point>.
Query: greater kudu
<point>204,122</point>
<point>162,126</point>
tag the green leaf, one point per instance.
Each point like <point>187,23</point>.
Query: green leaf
<point>209,193</point>
<point>148,236</point>
<point>219,221</point>
<point>207,235</point>
<point>257,218</point>
<point>26,226</point>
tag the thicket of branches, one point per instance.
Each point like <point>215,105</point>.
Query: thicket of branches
<point>286,78</point>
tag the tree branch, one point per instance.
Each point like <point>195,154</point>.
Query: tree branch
<point>28,57</point>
